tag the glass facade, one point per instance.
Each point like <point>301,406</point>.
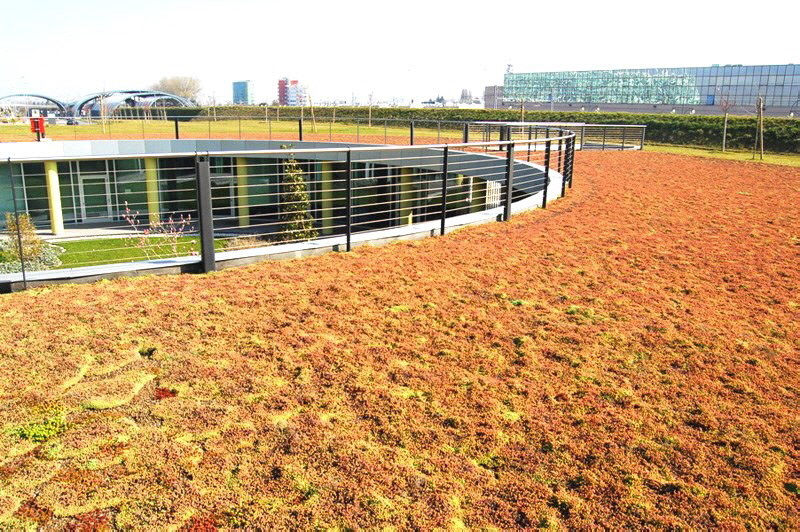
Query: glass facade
<point>736,84</point>
<point>241,93</point>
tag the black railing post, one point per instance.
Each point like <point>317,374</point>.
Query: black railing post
<point>560,154</point>
<point>530,136</point>
<point>546,173</point>
<point>466,133</point>
<point>565,168</point>
<point>411,132</point>
<point>177,129</point>
<point>348,212</point>
<point>505,134</point>
<point>205,213</point>
<point>604,139</point>
<point>509,182</point>
<point>444,188</point>
<point>300,129</point>
<point>572,163</point>
<point>20,247</point>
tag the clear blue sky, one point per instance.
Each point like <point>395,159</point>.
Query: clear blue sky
<point>409,49</point>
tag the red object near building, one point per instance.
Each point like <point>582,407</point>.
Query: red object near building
<point>37,124</point>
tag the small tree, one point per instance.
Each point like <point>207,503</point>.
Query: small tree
<point>183,86</point>
<point>296,220</point>
<point>726,107</point>
<point>159,239</point>
<point>23,233</point>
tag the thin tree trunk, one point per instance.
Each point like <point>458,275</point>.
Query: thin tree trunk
<point>725,132</point>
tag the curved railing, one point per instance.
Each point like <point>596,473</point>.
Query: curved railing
<point>109,208</point>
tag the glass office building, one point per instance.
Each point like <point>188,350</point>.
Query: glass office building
<point>696,87</point>
<point>241,93</point>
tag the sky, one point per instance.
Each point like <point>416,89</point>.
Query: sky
<point>410,50</point>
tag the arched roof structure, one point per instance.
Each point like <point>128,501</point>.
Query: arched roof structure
<point>131,98</point>
<point>112,100</point>
<point>62,107</point>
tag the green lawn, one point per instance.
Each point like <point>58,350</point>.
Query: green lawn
<point>111,250</point>
<point>228,128</point>
<point>786,159</point>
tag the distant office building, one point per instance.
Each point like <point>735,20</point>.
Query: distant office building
<point>241,93</point>
<point>493,97</point>
<point>704,90</point>
<point>290,92</point>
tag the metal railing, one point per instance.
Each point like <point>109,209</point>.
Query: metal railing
<point>197,204</point>
<point>587,136</point>
<point>325,128</point>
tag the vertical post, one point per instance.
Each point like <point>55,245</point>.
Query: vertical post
<point>411,132</point>
<point>530,134</point>
<point>242,192</point>
<point>407,196</point>
<point>571,162</point>
<point>604,138</point>
<point>54,197</point>
<point>546,173</point>
<point>177,130</point>
<point>509,181</point>
<point>348,212</point>
<point>466,133</point>
<point>565,168</point>
<point>623,138</point>
<point>20,247</point>
<point>641,141</point>
<point>205,213</point>
<point>151,189</point>
<point>560,154</point>
<point>300,129</point>
<point>583,136</point>
<point>444,188</point>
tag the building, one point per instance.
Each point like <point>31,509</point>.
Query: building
<point>702,90</point>
<point>290,92</point>
<point>70,191</point>
<point>493,96</point>
<point>241,93</point>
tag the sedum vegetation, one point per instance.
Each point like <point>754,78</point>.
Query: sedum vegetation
<point>625,359</point>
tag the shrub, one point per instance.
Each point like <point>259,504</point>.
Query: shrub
<point>296,221</point>
<point>51,422</point>
<point>38,254</point>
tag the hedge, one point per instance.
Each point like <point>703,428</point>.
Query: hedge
<point>780,134</point>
